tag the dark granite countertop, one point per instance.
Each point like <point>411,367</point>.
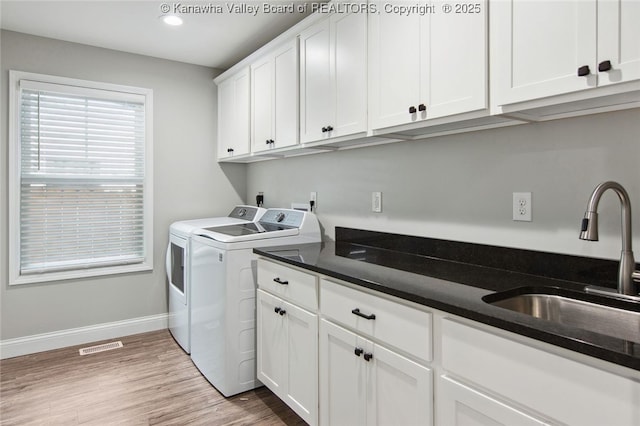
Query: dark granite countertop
<point>453,285</point>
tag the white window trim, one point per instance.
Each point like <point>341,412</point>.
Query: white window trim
<point>14,181</point>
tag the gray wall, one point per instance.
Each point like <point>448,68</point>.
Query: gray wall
<point>460,187</point>
<point>188,182</point>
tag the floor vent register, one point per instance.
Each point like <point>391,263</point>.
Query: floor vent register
<point>101,348</point>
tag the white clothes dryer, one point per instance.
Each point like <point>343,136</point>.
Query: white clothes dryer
<point>177,266</point>
<point>223,280</point>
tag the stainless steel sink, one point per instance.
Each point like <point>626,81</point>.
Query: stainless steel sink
<point>614,318</point>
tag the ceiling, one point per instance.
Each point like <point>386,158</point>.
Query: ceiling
<point>213,36</point>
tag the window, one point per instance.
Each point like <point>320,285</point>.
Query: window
<point>80,178</point>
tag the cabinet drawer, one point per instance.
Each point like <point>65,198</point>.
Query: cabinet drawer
<point>563,389</point>
<point>290,284</point>
<point>389,322</point>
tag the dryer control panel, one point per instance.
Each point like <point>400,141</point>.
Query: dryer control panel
<point>244,212</point>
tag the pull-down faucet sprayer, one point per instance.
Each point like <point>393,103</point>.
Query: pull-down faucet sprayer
<point>589,231</point>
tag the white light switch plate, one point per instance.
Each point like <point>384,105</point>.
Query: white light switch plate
<point>376,202</point>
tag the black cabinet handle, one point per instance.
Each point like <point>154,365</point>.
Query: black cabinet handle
<point>329,128</point>
<point>412,110</point>
<point>604,66</point>
<point>229,149</point>
<point>279,281</point>
<point>584,70</point>
<point>282,312</point>
<point>324,130</point>
<point>368,356</point>
<point>277,310</point>
<point>357,312</point>
<point>358,351</point>
<point>422,107</point>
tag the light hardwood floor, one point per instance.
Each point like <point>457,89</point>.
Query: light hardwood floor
<point>150,381</point>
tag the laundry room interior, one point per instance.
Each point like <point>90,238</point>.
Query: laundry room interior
<point>391,205</point>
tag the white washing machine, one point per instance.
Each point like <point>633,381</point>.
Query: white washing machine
<point>223,282</point>
<point>177,264</point>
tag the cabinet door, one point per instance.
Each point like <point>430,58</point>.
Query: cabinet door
<point>342,377</point>
<point>394,46</point>
<point>271,343</point>
<point>302,363</point>
<point>456,78</point>
<point>349,73</point>
<point>225,118</point>
<point>234,115</point>
<point>262,102</point>
<point>315,82</point>
<point>274,99</point>
<point>619,40</point>
<point>285,91</point>
<point>400,391</point>
<point>460,405</point>
<point>537,48</point>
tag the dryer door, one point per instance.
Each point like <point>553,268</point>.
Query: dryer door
<point>177,274</point>
<point>176,268</point>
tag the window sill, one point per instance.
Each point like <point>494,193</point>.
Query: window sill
<point>48,277</point>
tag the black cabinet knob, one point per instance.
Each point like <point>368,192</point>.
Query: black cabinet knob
<point>358,351</point>
<point>282,312</point>
<point>329,128</point>
<point>412,110</point>
<point>324,130</point>
<point>277,310</point>
<point>368,356</point>
<point>584,70</point>
<point>268,142</point>
<point>229,149</point>
<point>604,66</point>
<point>422,107</point>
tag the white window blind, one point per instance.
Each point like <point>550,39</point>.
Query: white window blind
<point>82,177</point>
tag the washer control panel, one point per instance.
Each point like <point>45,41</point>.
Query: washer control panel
<point>286,217</point>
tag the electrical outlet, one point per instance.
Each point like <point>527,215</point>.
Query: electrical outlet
<point>313,199</point>
<point>376,202</point>
<point>522,206</point>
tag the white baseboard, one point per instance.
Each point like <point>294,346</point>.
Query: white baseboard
<point>77,336</point>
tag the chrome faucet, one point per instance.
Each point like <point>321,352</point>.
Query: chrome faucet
<point>589,231</point>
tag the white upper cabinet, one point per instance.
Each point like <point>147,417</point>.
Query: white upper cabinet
<point>234,115</point>
<point>333,83</point>
<point>429,65</point>
<point>274,99</point>
<point>619,40</point>
<point>542,49</point>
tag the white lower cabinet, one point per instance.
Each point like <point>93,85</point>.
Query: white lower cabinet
<point>287,354</point>
<point>363,383</point>
<point>559,389</point>
<point>365,358</point>
<point>461,405</point>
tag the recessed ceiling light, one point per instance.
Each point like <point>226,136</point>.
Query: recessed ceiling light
<point>172,20</point>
